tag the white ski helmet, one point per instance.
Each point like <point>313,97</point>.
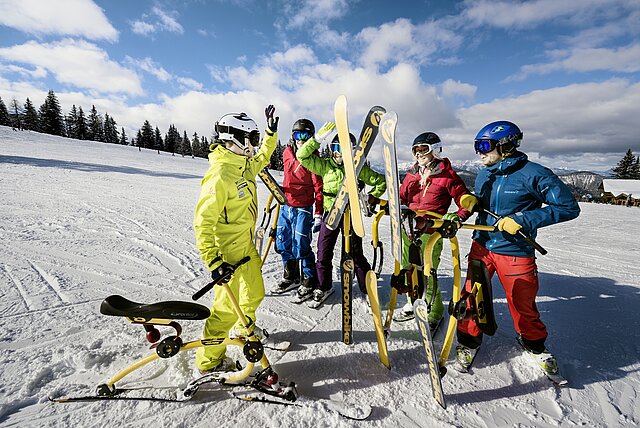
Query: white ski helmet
<point>239,129</point>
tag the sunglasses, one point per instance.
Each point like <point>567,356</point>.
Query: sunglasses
<point>484,146</point>
<point>335,148</point>
<point>301,135</point>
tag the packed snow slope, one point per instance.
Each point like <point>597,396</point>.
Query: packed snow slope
<point>83,220</point>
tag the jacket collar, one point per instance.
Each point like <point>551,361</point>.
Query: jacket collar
<point>508,164</point>
<point>221,155</point>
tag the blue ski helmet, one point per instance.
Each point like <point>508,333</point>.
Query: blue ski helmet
<point>502,134</point>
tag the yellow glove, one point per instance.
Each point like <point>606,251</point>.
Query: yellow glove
<point>509,225</point>
<point>468,202</point>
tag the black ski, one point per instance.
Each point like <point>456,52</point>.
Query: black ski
<point>367,137</point>
<point>273,186</point>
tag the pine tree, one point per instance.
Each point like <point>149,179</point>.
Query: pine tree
<point>196,147</point>
<point>276,160</point>
<point>123,138</point>
<point>5,120</point>
<point>51,116</point>
<point>81,125</point>
<point>95,130</point>
<point>157,140</point>
<point>16,115</point>
<point>30,121</point>
<point>205,147</point>
<point>635,169</point>
<point>146,135</point>
<point>185,146</point>
<point>625,168</point>
<point>110,130</point>
<point>171,140</point>
<point>139,140</point>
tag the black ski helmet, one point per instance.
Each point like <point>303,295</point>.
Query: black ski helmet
<point>336,142</point>
<point>304,125</point>
<point>430,139</point>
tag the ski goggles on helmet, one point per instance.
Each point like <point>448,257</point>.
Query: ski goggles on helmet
<point>424,149</point>
<point>301,135</point>
<point>335,148</point>
<point>484,146</point>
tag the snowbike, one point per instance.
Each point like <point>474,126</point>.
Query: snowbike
<point>164,314</point>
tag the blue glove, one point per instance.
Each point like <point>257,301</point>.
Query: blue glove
<point>317,221</point>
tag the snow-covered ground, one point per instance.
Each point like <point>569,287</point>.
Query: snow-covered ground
<point>84,220</point>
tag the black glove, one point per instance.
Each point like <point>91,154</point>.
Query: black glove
<point>372,203</point>
<point>222,274</point>
<point>272,123</point>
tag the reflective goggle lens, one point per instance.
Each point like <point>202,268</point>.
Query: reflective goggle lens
<point>422,149</point>
<point>301,135</point>
<point>254,138</point>
<point>335,148</point>
<point>484,146</point>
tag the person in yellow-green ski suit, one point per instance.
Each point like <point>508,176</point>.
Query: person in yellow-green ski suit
<point>332,171</point>
<point>224,224</point>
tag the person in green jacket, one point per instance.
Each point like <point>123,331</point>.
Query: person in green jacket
<point>332,173</point>
<point>224,224</point>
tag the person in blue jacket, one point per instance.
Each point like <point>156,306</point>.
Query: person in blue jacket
<point>527,196</point>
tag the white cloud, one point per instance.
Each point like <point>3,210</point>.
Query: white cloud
<point>453,88</point>
<point>158,20</point>
<point>77,63</point>
<point>402,41</point>
<point>35,73</point>
<point>624,59</point>
<point>589,118</point>
<point>142,28</point>
<point>167,20</point>
<point>309,12</point>
<point>189,83</point>
<point>151,67</point>
<point>79,18</point>
<point>520,14</point>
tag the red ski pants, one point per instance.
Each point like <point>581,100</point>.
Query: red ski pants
<point>519,278</point>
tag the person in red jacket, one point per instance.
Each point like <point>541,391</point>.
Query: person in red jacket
<point>430,185</point>
<point>293,237</point>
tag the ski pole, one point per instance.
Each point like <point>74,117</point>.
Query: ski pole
<point>204,290</point>
<point>526,237</point>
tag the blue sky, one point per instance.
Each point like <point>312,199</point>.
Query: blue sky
<point>567,72</point>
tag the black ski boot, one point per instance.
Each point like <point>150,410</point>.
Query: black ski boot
<point>291,277</point>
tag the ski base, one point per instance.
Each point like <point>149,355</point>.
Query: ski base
<point>348,411</point>
<point>422,320</point>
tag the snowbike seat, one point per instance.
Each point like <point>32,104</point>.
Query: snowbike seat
<point>173,309</point>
